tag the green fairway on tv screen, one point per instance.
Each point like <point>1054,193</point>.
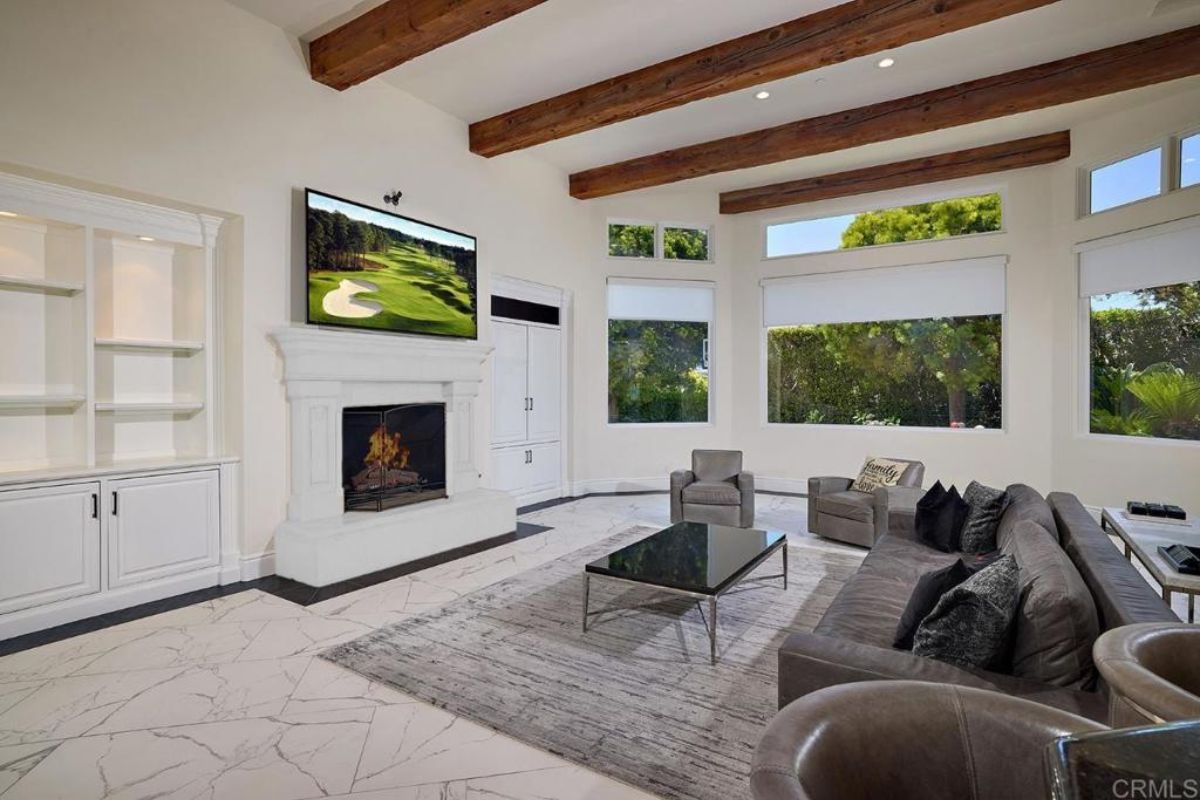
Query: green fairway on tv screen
<point>379,271</point>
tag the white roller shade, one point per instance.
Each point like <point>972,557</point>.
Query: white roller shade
<point>1158,256</point>
<point>965,288</point>
<point>674,301</point>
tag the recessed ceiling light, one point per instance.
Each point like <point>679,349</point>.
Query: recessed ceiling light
<point>763,95</point>
<point>7,214</point>
<point>146,238</point>
<point>884,63</point>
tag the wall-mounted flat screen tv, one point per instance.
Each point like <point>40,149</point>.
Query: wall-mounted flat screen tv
<point>380,271</point>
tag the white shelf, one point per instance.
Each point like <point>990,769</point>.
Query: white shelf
<point>160,345</point>
<point>150,408</point>
<point>22,284</point>
<point>35,401</point>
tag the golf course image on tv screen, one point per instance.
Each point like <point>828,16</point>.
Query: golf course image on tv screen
<point>371,269</point>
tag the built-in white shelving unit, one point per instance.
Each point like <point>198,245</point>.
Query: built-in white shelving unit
<point>107,405</point>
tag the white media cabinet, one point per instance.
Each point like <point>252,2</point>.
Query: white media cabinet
<point>113,490</point>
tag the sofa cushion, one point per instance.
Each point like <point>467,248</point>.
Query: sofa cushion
<point>849,504</point>
<point>1056,621</point>
<point>939,518</point>
<point>930,588</point>
<point>869,606</point>
<point>716,465</point>
<point>1024,503</point>
<point>986,508</point>
<point>712,493</point>
<point>970,626</point>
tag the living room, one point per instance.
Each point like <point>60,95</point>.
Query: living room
<point>269,531</point>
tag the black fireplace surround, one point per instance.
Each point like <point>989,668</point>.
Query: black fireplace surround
<point>393,455</point>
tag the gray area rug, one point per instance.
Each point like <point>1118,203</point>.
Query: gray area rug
<point>635,697</point>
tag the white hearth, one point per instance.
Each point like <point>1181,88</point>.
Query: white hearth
<point>326,371</point>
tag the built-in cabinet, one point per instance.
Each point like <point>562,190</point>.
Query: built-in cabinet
<point>528,394</point>
<point>113,486</point>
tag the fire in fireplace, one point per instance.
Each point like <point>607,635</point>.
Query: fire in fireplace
<point>393,455</point>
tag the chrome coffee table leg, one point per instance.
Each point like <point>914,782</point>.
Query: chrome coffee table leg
<point>712,631</point>
<point>784,549</point>
<point>587,585</point>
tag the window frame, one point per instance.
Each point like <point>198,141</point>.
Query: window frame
<point>1177,155</point>
<point>764,413</point>
<point>1164,176</point>
<point>907,198</point>
<point>1083,383</point>
<point>690,226</point>
<point>629,221</point>
<point>1170,181</point>
<point>712,352</point>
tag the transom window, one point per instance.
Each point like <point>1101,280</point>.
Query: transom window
<point>1189,160</point>
<point>941,219</point>
<point>655,240</point>
<point>1126,181</point>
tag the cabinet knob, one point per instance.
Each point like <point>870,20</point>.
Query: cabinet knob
<point>114,504</point>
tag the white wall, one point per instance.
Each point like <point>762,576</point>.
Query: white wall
<point>200,103</point>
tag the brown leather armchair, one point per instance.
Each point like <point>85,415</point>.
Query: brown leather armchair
<point>835,511</point>
<point>1153,672</point>
<point>908,739</point>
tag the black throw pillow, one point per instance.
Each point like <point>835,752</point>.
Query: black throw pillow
<point>987,506</point>
<point>939,518</point>
<point>925,596</point>
<point>971,625</point>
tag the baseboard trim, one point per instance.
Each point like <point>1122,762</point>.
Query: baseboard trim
<point>260,566</point>
<point>788,486</point>
<point>580,489</point>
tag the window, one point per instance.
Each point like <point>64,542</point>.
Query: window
<point>908,346</point>
<point>631,239</point>
<point>685,244</point>
<point>1126,181</point>
<point>658,352</point>
<point>960,216</point>
<point>1143,305</point>
<point>1189,161</point>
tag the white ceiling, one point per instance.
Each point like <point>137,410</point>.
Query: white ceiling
<point>563,44</point>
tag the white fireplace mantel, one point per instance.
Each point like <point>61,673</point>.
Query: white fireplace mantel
<point>326,371</point>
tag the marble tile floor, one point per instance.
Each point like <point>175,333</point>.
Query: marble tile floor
<point>227,699</point>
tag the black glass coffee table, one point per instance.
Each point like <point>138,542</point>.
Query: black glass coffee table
<point>693,559</point>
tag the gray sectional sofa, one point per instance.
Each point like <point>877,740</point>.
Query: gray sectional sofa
<point>1075,585</point>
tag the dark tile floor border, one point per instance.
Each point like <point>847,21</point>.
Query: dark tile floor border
<point>288,589</point>
<point>299,593</point>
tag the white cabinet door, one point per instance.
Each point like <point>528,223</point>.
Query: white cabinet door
<point>510,469</point>
<point>509,396</point>
<point>545,383</point>
<point>545,466</point>
<point>49,545</point>
<point>162,525</point>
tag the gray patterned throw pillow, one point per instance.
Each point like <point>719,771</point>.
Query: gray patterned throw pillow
<point>970,625</point>
<point>986,506</point>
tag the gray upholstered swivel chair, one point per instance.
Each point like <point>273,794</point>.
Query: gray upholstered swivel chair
<point>908,739</point>
<point>1153,672</point>
<point>835,511</point>
<point>714,490</point>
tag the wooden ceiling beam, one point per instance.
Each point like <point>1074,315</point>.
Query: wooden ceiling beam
<point>398,31</point>
<point>1017,154</point>
<point>830,36</point>
<point>1115,69</point>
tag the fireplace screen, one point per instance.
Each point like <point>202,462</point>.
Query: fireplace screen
<point>393,455</point>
